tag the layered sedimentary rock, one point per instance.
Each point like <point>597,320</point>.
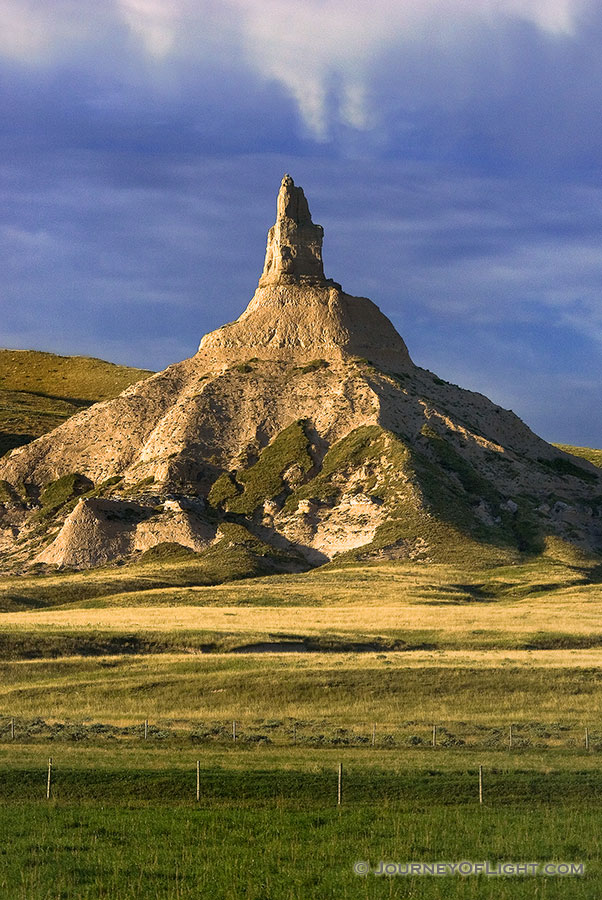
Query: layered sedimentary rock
<point>306,424</point>
<point>294,250</point>
<point>297,313</point>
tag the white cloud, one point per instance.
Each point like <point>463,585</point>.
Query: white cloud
<point>322,51</point>
<point>154,21</point>
<point>33,32</point>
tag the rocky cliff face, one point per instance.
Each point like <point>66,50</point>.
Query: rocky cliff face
<point>306,423</point>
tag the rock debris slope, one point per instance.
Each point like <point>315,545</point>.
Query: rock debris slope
<point>305,426</point>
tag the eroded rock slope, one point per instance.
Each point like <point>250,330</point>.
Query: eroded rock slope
<point>306,423</point>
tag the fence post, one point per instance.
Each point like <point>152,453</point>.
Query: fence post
<point>234,730</point>
<point>145,729</point>
<point>434,736</point>
<point>340,787</point>
<point>480,784</point>
<point>12,729</point>
<point>198,780</point>
<point>373,735</point>
<point>49,780</point>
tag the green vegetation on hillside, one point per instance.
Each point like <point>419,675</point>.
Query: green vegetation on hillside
<point>62,490</point>
<point>39,391</point>
<point>312,366</point>
<point>244,491</point>
<point>430,495</point>
<point>166,575</point>
<point>236,554</point>
<point>364,445</point>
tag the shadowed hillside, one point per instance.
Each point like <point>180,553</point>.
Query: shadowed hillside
<point>39,391</point>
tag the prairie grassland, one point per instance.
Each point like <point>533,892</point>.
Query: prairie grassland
<point>536,622</point>
<point>39,391</point>
<point>191,581</point>
<point>241,759</point>
<point>337,690</point>
<point>267,825</point>
<point>123,823</point>
<point>513,644</point>
<point>579,615</point>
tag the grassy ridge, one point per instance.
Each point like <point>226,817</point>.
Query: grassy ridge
<point>590,454</point>
<point>177,576</point>
<point>39,391</point>
<point>339,690</point>
<point>236,555</point>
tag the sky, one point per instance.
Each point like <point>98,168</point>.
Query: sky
<point>452,150</point>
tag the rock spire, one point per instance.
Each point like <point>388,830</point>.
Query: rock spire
<point>294,250</point>
<point>297,313</point>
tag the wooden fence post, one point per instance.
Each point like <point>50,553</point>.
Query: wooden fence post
<point>373,735</point>
<point>480,784</point>
<point>434,736</point>
<point>198,780</point>
<point>12,729</point>
<point>49,780</point>
<point>340,787</point>
<point>145,729</point>
<point>234,730</point>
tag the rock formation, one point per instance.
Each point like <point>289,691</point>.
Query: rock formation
<point>306,425</point>
<point>296,312</point>
<point>294,251</point>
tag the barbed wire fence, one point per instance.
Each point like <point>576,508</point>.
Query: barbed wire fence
<point>338,784</point>
<point>375,735</point>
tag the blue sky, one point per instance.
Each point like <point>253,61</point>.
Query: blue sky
<point>451,149</point>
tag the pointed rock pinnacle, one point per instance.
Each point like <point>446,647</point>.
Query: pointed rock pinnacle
<point>297,313</point>
<point>294,250</point>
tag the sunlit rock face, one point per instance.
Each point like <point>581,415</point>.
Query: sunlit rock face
<point>299,433</point>
<point>294,250</point>
<point>297,313</point>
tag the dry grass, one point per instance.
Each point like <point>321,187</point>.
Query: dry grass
<point>580,613</point>
<point>480,621</point>
<point>341,689</point>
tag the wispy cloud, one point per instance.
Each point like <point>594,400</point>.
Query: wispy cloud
<point>328,54</point>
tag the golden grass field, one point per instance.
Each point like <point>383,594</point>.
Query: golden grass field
<point>579,614</point>
<point>487,687</point>
<point>508,644</point>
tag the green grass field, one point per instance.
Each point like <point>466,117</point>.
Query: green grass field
<point>123,822</point>
<point>377,654</point>
<point>268,825</point>
<point>115,852</point>
<point>479,688</point>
